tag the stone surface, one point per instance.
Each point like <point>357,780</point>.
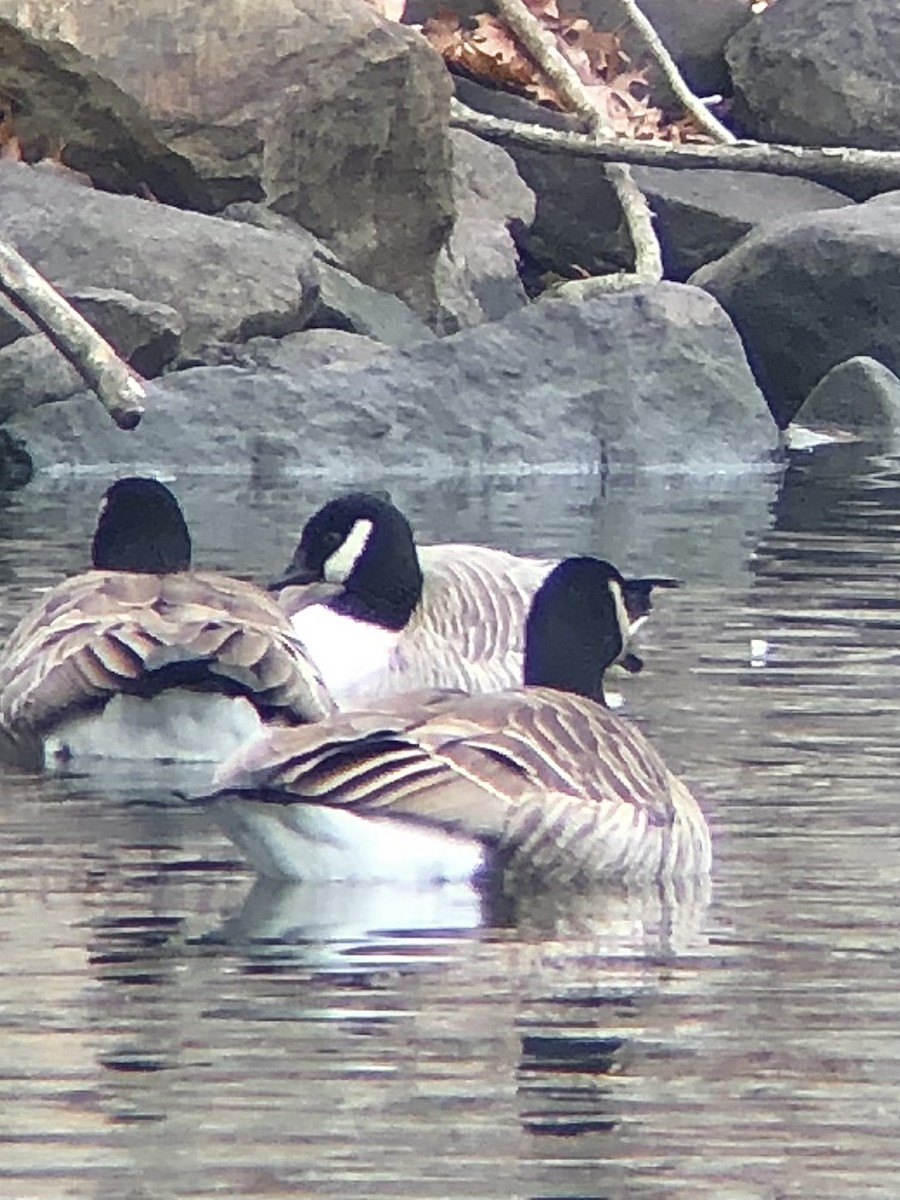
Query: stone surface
<point>701,214</point>
<point>224,280</point>
<point>860,395</point>
<point>337,118</point>
<point>477,274</point>
<point>146,334</point>
<point>33,371</point>
<point>652,377</point>
<point>62,104</point>
<point>807,293</point>
<point>820,72</point>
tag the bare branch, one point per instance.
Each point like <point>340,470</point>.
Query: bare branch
<point>118,388</point>
<point>683,93</point>
<point>541,45</point>
<point>867,171</point>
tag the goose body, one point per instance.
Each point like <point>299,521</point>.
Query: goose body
<point>537,781</point>
<point>381,616</point>
<point>141,657</point>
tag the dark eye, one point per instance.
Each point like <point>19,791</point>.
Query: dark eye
<point>332,540</point>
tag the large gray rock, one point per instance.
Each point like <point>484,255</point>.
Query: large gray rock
<point>62,104</point>
<point>651,377</point>
<point>337,118</point>
<point>820,72</point>
<point>477,274</point>
<point>701,214</point>
<point>225,281</point>
<point>860,395</point>
<point>808,292</point>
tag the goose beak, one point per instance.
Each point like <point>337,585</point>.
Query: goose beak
<point>631,663</point>
<point>294,575</point>
<point>637,594</point>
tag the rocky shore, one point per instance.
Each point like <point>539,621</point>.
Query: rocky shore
<point>268,213</point>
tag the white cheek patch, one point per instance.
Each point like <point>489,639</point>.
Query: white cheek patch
<point>625,629</point>
<point>339,565</point>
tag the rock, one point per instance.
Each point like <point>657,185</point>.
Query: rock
<point>335,117</point>
<point>820,72</point>
<point>33,372</point>
<point>860,395</point>
<point>147,335</point>
<point>62,104</point>
<point>806,293</point>
<point>477,274</point>
<point>650,377</point>
<point>701,214</point>
<point>298,352</point>
<point>339,301</point>
<point>225,281</point>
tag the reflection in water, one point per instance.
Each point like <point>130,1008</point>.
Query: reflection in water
<point>169,1029</point>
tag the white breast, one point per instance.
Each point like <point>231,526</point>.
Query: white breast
<point>351,655</point>
<point>315,843</point>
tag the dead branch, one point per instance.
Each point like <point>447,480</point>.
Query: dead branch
<point>541,45</point>
<point>118,388</point>
<point>866,171</point>
<point>675,79</point>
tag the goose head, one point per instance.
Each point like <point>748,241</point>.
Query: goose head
<point>578,626</point>
<point>364,544</point>
<point>140,528</point>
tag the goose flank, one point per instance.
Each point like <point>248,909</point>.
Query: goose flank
<point>82,673</point>
<point>539,781</point>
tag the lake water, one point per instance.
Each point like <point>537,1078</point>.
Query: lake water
<point>166,1030</point>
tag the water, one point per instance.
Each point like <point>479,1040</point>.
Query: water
<point>166,1030</point>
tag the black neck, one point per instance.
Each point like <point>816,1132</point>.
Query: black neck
<point>573,630</point>
<point>385,584</point>
<point>141,529</point>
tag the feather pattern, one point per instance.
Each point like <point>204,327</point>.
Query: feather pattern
<point>106,632</point>
<point>456,613</point>
<point>555,784</point>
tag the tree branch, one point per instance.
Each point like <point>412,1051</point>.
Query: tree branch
<point>541,45</point>
<point>865,171</point>
<point>118,388</point>
<point>675,79</point>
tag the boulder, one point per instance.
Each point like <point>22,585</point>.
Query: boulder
<point>806,293</point>
<point>477,274</point>
<point>62,105</point>
<point>33,371</point>
<point>701,214</point>
<point>222,281</point>
<point>652,377</point>
<point>820,72</point>
<point>860,395</point>
<point>335,117</point>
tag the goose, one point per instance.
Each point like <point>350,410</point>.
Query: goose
<point>380,615</point>
<point>537,782</point>
<point>142,657</point>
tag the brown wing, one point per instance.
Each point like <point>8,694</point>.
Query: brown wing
<point>555,778</point>
<point>107,632</point>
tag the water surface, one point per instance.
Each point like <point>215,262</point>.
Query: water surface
<point>169,1030</point>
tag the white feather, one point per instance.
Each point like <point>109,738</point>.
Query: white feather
<point>178,724</point>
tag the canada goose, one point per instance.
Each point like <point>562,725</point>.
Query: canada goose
<point>380,615</point>
<point>542,780</point>
<point>142,657</point>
